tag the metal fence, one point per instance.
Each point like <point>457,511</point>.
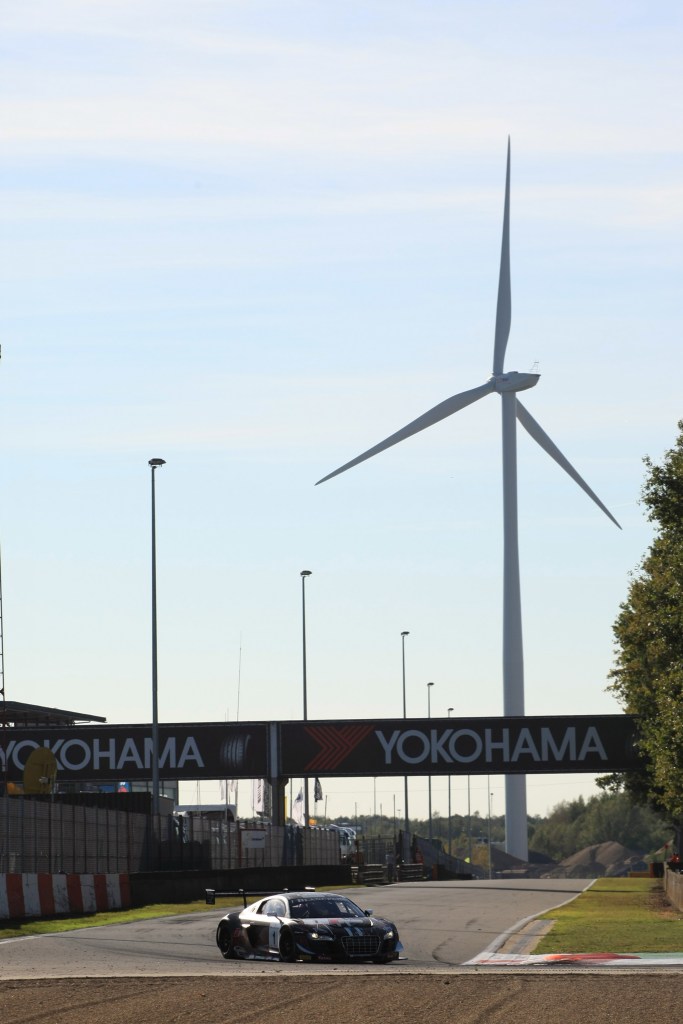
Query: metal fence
<point>405,848</point>
<point>41,836</point>
<point>37,836</point>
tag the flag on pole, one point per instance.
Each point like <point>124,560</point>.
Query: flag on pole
<point>317,791</point>
<point>258,804</point>
<point>228,790</point>
<point>298,808</point>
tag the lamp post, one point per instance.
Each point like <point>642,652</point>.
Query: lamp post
<point>488,781</point>
<point>429,715</point>
<point>404,634</point>
<point>449,805</point>
<point>154,464</point>
<point>469,821</point>
<point>304,574</point>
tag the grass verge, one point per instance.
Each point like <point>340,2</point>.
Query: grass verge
<point>42,926</point>
<point>616,915</point>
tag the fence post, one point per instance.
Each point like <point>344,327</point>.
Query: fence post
<point>22,833</point>
<point>34,808</point>
<point>61,837</point>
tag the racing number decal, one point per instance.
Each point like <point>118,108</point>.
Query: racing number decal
<point>274,936</point>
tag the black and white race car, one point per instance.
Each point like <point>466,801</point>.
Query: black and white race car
<point>292,926</point>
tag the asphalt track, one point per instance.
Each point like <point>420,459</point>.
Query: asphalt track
<point>169,971</point>
<point>442,926</point>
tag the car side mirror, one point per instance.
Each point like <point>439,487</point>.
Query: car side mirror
<point>368,913</point>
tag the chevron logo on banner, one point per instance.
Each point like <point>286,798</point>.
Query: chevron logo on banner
<point>335,744</point>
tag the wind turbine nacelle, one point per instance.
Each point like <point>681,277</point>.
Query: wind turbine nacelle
<point>514,381</point>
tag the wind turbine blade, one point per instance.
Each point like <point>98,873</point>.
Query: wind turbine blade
<point>504,309</point>
<point>439,412</point>
<point>540,436</point>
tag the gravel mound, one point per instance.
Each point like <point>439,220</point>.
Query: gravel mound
<point>603,860</point>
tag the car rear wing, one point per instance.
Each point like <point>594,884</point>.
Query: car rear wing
<point>244,894</point>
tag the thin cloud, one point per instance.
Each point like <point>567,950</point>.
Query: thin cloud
<point>635,206</point>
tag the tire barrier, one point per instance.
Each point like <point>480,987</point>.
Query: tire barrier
<point>410,872</point>
<point>370,874</point>
<point>44,895</point>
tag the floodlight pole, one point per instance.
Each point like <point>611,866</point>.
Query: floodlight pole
<point>404,634</point>
<point>305,573</point>
<point>154,464</point>
<point>429,715</point>
<point>450,830</point>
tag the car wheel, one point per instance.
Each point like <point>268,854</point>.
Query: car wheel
<point>287,947</point>
<point>224,941</point>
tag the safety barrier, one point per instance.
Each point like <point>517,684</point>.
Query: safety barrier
<point>673,886</point>
<point>43,895</point>
<point>410,872</point>
<point>37,836</point>
<point>370,874</point>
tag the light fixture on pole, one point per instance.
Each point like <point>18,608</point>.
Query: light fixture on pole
<point>155,463</point>
<point>304,574</point>
<point>404,634</point>
<point>450,832</point>
<point>429,715</point>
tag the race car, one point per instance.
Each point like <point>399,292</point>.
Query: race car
<point>292,926</point>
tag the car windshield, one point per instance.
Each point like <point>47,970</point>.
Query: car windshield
<point>327,906</point>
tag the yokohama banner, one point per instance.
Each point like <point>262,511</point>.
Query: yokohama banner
<point>115,753</point>
<point>465,746</point>
<point>249,750</point>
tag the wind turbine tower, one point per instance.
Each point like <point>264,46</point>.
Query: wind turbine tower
<point>507,385</point>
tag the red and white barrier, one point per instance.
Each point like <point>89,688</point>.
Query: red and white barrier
<point>44,895</point>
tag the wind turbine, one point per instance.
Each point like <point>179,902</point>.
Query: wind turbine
<point>507,385</point>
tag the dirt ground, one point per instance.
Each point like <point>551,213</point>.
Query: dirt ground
<point>491,997</point>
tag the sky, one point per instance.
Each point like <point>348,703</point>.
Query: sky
<point>254,239</point>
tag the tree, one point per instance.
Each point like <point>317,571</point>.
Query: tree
<point>648,674</point>
<point>557,836</point>
<point>573,825</point>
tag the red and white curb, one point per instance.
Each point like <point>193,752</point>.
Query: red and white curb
<point>578,959</point>
<point>42,895</point>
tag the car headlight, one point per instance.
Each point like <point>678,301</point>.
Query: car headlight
<point>320,938</point>
<point>389,934</point>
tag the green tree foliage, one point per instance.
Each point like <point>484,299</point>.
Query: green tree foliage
<point>575,824</point>
<point>569,827</point>
<point>648,674</point>
<point>557,835</point>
